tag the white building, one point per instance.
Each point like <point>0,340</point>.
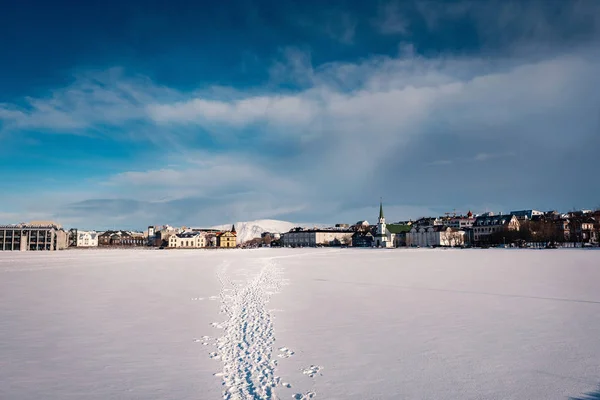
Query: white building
<point>316,237</point>
<point>87,239</point>
<point>383,237</point>
<point>188,240</point>
<point>435,236</point>
<point>389,235</point>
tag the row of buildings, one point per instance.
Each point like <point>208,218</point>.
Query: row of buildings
<point>156,236</point>
<point>50,236</point>
<point>574,229</point>
<point>523,227</point>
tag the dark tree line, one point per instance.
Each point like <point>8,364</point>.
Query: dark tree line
<point>541,231</point>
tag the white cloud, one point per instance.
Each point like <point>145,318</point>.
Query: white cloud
<point>93,100</point>
<point>350,129</point>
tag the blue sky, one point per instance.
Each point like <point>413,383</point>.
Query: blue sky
<point>126,114</point>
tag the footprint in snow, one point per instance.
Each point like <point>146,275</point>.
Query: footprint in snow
<point>312,370</point>
<point>203,339</point>
<point>285,352</point>
<point>307,395</point>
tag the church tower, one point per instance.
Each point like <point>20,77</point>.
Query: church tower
<point>381,238</point>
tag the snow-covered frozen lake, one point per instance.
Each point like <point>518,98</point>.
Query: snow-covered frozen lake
<point>331,324</point>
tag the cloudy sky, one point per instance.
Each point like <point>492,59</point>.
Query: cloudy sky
<point>131,113</point>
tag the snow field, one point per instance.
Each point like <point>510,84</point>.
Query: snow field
<point>300,324</point>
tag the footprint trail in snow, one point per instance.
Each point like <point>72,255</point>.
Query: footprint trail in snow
<point>246,347</point>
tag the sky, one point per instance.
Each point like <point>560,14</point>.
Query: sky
<point>129,114</point>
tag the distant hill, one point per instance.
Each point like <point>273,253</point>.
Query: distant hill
<point>253,229</point>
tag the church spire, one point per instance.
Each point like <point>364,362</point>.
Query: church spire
<point>380,208</point>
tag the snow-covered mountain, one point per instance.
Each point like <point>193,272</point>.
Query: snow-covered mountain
<point>253,229</point>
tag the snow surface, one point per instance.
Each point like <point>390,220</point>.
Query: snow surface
<point>300,323</point>
<point>253,229</point>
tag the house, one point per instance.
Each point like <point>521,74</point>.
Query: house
<point>121,239</point>
<point>159,235</point>
<point>36,235</point>
<point>398,233</point>
<point>227,239</point>
<point>488,224</point>
<point>435,236</point>
<point>187,240</point>
<point>526,214</point>
<point>362,226</point>
<point>428,221</point>
<point>85,238</point>
<point>563,227</point>
<point>154,236</point>
<point>460,222</point>
<point>299,237</point>
<point>362,239</point>
<point>582,229</point>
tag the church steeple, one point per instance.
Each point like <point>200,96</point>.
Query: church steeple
<point>233,229</point>
<point>382,233</point>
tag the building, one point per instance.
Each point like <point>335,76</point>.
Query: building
<point>85,238</point>
<point>435,236</point>
<point>362,239</point>
<point>121,239</point>
<point>299,237</point>
<point>360,226</point>
<point>382,237</point>
<point>270,235</point>
<point>227,239</point>
<point>389,235</point>
<point>188,240</point>
<point>526,214</point>
<point>428,221</point>
<point>486,225</point>
<point>460,222</point>
<point>37,235</point>
<point>582,230</point>
<point>398,234</point>
<point>154,236</point>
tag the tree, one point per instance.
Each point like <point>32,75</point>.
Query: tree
<point>455,238</point>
